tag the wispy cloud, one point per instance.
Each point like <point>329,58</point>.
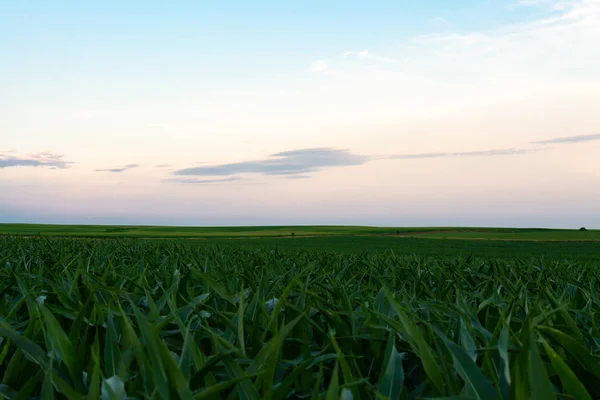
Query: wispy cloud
<point>359,54</point>
<point>118,169</point>
<point>570,139</point>
<point>193,181</point>
<point>480,153</point>
<point>284,163</point>
<point>534,48</point>
<point>47,160</point>
<point>296,164</point>
<point>162,166</point>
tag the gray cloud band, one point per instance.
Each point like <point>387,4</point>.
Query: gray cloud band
<point>193,181</point>
<point>570,139</point>
<point>481,153</point>
<point>118,169</point>
<point>285,163</point>
<point>46,160</point>
<point>296,164</point>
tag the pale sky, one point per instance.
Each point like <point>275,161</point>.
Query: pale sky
<point>392,113</point>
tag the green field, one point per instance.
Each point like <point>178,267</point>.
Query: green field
<point>415,246</point>
<point>297,231</point>
<point>479,242</point>
<point>255,319</point>
<point>185,232</point>
<point>327,313</point>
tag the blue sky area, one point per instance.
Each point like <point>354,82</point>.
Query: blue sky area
<point>330,112</point>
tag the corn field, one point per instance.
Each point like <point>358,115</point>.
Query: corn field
<point>109,319</point>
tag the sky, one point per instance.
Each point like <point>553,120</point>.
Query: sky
<point>387,113</point>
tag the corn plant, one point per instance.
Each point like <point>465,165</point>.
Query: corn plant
<point>110,319</point>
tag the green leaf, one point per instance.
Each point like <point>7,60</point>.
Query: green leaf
<point>30,349</point>
<point>392,381</point>
<point>571,385</point>
<point>247,390</point>
<point>565,317</point>
<point>582,354</point>
<point>94,390</point>
<point>15,370</point>
<point>284,386</point>
<point>176,378</point>
<point>6,344</point>
<point>505,363</point>
<point>469,372</point>
<point>113,388</point>
<point>64,388</point>
<point>467,342</point>
<point>425,353</point>
<point>333,391</point>
<point>190,354</point>
<point>62,347</point>
<point>131,338</point>
<point>153,350</point>
<point>208,366</point>
<point>113,360</point>
<point>219,387</point>
<point>539,382</point>
<point>346,370</point>
<point>48,384</point>
<point>240,321</point>
<point>28,388</point>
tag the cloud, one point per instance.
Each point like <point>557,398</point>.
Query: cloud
<point>295,164</point>
<point>480,153</point>
<point>162,166</point>
<point>552,4</point>
<point>285,163</point>
<point>529,51</point>
<point>47,160</point>
<point>202,181</point>
<point>118,169</point>
<point>359,54</point>
<point>570,139</point>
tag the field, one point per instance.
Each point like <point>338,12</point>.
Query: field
<point>364,317</point>
<point>479,242</point>
<point>296,231</point>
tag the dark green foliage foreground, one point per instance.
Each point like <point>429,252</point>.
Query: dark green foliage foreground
<point>115,319</point>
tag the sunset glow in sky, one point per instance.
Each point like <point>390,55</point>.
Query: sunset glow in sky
<point>398,113</point>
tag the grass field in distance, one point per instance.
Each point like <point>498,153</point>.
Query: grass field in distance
<point>297,231</point>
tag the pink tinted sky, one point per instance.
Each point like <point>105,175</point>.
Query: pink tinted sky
<point>458,119</point>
